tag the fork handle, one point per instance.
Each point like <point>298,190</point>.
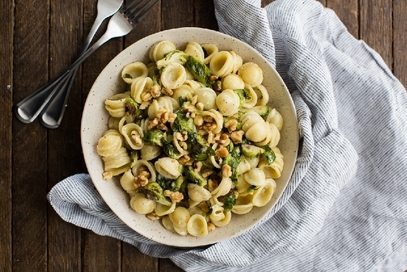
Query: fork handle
<point>29,108</point>
<point>53,112</point>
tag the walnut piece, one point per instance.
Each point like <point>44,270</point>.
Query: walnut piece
<point>174,196</point>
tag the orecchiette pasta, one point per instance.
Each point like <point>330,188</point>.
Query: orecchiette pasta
<point>192,137</point>
<point>251,73</point>
<point>134,70</point>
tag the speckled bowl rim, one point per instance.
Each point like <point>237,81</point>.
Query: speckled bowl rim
<point>95,119</point>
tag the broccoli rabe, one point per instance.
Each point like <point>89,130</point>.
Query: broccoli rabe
<point>176,56</point>
<point>171,151</point>
<point>226,119</point>
<point>251,151</point>
<point>229,199</point>
<point>183,123</point>
<point>233,160</point>
<point>194,176</point>
<point>262,110</point>
<point>156,136</point>
<point>198,147</point>
<point>175,185</point>
<point>156,75</point>
<point>132,109</point>
<point>242,96</point>
<point>269,154</point>
<point>199,71</point>
<point>155,192</point>
<point>252,189</point>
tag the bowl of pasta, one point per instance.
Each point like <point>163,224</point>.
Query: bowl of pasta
<point>190,136</point>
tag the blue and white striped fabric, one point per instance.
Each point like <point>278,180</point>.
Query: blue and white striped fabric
<point>346,206</point>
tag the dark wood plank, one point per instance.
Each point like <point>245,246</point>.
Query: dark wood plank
<point>376,27</point>
<point>166,265</point>
<point>177,13</point>
<point>99,253</point>
<point>149,25</point>
<point>400,40</point>
<point>348,12</point>
<point>6,77</point>
<point>64,157</point>
<point>132,258</point>
<point>204,15</point>
<point>30,71</point>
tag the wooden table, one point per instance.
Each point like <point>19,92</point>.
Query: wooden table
<point>39,39</point>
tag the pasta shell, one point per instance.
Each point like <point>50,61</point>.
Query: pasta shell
<point>263,195</point>
<point>168,167</point>
<point>228,102</point>
<point>158,50</point>
<point>173,76</point>
<point>141,204</point>
<point>134,70</point>
<point>251,73</point>
<point>133,135</point>
<point>222,63</point>
<point>197,226</point>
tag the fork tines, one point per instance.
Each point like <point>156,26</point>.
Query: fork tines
<point>135,11</point>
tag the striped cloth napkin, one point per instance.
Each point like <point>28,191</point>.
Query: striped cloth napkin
<point>345,208</point>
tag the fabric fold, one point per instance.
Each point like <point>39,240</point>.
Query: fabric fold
<point>344,208</point>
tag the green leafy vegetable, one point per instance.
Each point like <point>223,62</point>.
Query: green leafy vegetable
<point>156,136</point>
<point>155,192</point>
<point>199,71</point>
<point>230,199</point>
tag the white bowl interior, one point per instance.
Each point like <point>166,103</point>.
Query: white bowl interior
<point>95,119</point>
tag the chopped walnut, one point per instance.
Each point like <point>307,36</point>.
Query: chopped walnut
<point>211,138</point>
<point>226,171</point>
<point>155,91</point>
<point>167,91</point>
<point>198,120</point>
<point>224,139</point>
<point>181,136</point>
<point>174,196</point>
<point>217,86</point>
<point>107,175</point>
<point>206,173</point>
<point>198,166</point>
<point>146,96</point>
<point>222,152</point>
<point>200,106</point>
<point>194,100</point>
<point>151,93</point>
<point>141,179</point>
<point>144,105</point>
<point>213,77</point>
<point>211,227</point>
<point>171,117</point>
<point>186,160</point>
<point>152,216</point>
<point>231,125</point>
<point>237,136</point>
<point>136,137</point>
<point>152,124</point>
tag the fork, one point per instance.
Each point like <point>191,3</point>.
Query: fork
<point>57,104</point>
<point>119,25</point>
<point>29,108</point>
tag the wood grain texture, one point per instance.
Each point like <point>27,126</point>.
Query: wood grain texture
<point>29,144</point>
<point>376,25</point>
<point>6,89</point>
<point>400,40</point>
<point>39,40</point>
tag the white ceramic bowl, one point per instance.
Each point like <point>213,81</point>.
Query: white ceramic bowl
<point>95,119</point>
